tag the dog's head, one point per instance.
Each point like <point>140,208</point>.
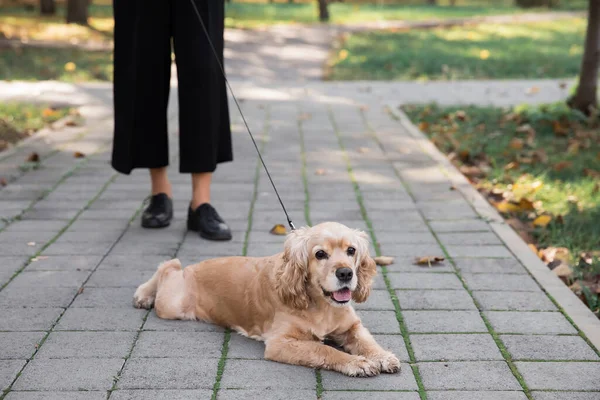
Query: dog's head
<point>329,261</point>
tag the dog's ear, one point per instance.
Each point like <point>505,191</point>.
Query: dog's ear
<point>366,271</point>
<point>292,275</point>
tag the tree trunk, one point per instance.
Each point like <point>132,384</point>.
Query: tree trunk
<point>77,12</point>
<point>47,7</point>
<point>323,11</point>
<point>586,95</point>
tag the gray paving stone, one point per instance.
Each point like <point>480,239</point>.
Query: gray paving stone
<point>183,394</point>
<point>50,279</point>
<point>28,319</point>
<point>529,322</point>
<point>443,321</point>
<point>179,344</point>
<point>407,265</point>
<point>512,283</point>
<point>35,226</point>
<point>455,347</point>
<point>64,263</point>
<point>145,248</point>
<point>570,395</point>
<point>560,375</point>
<point>266,394</point>
<point>346,395</point>
<point>487,395</point>
<point>17,296</point>
<point>489,265</point>
<point>169,373</point>
<point>469,238</point>
<point>258,374</point>
<point>85,249</point>
<point>435,300</point>
<point>142,262</point>
<point>8,372</point>
<point>99,319</point>
<point>153,323</point>
<point>243,347</point>
<point>19,345</point>
<point>47,395</point>
<point>378,300</point>
<point>93,297</point>
<point>421,238</point>
<point>119,278</point>
<point>379,282</point>
<point>467,375</point>
<point>404,380</point>
<point>540,347</point>
<point>514,301</point>
<point>424,281</point>
<point>69,374</point>
<point>19,249</point>
<point>380,321</point>
<point>87,345</point>
<point>484,251</point>
<point>395,344</point>
<point>469,225</point>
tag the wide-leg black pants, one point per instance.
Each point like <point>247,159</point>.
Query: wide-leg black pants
<point>142,73</point>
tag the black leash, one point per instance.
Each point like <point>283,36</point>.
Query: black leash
<point>240,110</point>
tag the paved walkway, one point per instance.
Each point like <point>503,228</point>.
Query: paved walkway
<point>72,252</point>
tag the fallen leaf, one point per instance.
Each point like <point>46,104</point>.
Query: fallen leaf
<point>30,243</point>
<point>591,173</point>
<point>72,122</point>
<point>472,171</point>
<point>364,108</point>
<point>78,154</point>
<point>562,85</point>
<point>533,248</point>
<point>343,54</point>
<point>526,205</point>
<point>429,260</point>
<point>562,270</point>
<point>540,156</point>
<point>80,290</point>
<point>33,157</point>
<point>484,54</point>
<point>48,112</point>
<point>573,148</point>
<point>559,129</point>
<point>424,126</point>
<point>383,260</point>
<point>507,206</point>
<point>278,230</point>
<point>320,172</point>
<point>511,165</point>
<point>542,221</point>
<point>70,66</point>
<point>516,144</point>
<point>363,150</point>
<point>304,117</point>
<point>532,90</point>
<point>550,254</point>
<point>525,128</point>
<point>562,165</point>
<point>461,115</point>
<point>3,182</point>
<point>464,155</point>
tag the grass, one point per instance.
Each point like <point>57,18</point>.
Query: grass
<point>488,51</point>
<point>547,155</point>
<point>20,120</point>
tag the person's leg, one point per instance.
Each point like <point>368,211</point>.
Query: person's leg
<point>205,136</point>
<point>142,70</point>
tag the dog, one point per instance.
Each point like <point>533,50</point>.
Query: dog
<point>292,301</point>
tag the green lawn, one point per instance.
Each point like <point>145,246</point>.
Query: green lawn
<point>20,120</point>
<point>532,50</point>
<point>549,156</point>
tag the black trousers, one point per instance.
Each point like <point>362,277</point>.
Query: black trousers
<point>142,73</point>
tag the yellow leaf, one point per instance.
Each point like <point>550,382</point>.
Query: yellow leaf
<point>48,112</point>
<point>506,206</point>
<point>542,221</point>
<point>343,54</point>
<point>278,230</point>
<point>516,144</point>
<point>573,148</point>
<point>320,172</point>
<point>424,126</point>
<point>484,54</point>
<point>70,66</point>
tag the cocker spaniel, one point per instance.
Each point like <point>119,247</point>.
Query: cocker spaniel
<point>292,301</point>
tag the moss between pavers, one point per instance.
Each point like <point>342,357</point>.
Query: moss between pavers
<point>363,209</point>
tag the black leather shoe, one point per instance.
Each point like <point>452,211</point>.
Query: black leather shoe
<point>159,213</point>
<point>206,221</point>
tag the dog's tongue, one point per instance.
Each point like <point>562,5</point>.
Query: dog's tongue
<point>342,295</point>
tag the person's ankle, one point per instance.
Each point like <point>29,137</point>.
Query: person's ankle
<point>166,189</point>
<point>195,203</point>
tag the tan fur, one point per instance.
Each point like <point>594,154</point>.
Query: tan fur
<point>280,300</point>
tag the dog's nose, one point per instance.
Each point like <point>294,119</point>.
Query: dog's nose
<point>344,274</point>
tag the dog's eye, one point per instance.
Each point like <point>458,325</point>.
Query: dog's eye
<point>320,255</point>
<point>351,251</point>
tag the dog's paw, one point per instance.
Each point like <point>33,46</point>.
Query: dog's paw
<point>361,367</point>
<point>142,300</point>
<point>387,362</point>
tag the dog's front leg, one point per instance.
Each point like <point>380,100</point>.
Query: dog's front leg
<point>314,354</point>
<point>358,340</point>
